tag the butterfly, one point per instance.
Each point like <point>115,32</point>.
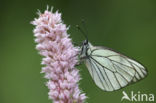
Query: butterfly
<point>109,69</point>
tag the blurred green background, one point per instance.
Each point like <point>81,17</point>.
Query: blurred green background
<point>128,26</point>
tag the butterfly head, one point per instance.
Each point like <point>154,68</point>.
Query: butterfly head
<point>84,48</point>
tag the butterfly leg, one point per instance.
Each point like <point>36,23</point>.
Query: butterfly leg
<point>81,59</point>
<point>79,63</point>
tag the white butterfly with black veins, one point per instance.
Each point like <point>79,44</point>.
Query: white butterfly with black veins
<point>110,70</point>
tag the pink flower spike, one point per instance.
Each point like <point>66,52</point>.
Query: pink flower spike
<point>59,58</point>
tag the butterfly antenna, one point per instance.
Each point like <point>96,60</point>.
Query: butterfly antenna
<point>82,32</point>
<point>84,25</point>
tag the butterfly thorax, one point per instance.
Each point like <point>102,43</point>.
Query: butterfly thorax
<point>85,50</point>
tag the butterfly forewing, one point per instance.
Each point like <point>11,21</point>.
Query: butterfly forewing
<point>111,70</point>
